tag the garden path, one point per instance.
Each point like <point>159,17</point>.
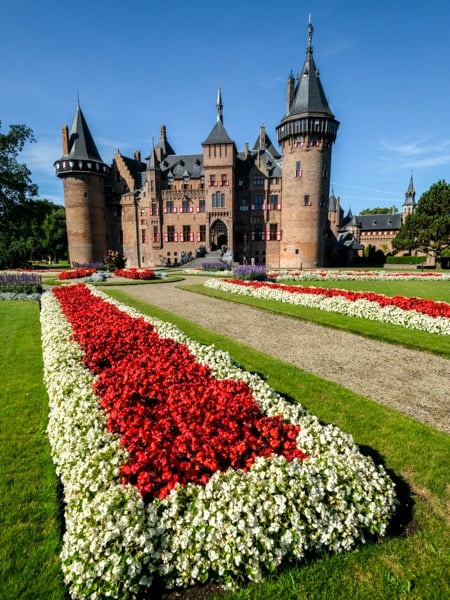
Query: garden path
<point>414,383</point>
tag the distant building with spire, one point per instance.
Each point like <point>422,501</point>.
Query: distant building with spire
<point>262,204</point>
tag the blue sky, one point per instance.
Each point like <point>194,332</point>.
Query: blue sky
<point>385,68</point>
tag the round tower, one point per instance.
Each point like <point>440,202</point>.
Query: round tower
<point>306,135</point>
<point>83,173</point>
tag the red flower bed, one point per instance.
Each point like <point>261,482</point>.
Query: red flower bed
<point>431,308</point>
<point>76,273</point>
<point>135,273</point>
<point>178,423</point>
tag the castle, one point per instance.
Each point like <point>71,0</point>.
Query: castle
<point>264,206</point>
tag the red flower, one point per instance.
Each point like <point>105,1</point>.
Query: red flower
<point>430,308</point>
<point>178,423</point>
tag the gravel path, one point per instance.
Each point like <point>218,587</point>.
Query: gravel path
<point>412,382</point>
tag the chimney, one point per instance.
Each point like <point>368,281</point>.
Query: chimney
<point>262,137</point>
<point>65,139</point>
<point>290,93</point>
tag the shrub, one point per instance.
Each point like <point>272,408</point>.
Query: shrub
<point>114,260</point>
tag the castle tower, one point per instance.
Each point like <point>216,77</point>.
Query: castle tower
<point>306,134</point>
<point>83,173</point>
<point>219,157</point>
<point>409,205</point>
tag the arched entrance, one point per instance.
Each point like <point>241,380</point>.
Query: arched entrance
<point>218,235</point>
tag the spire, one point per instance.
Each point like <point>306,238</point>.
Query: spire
<point>219,104</point>
<point>218,134</point>
<point>81,142</point>
<point>410,194</point>
<point>309,96</point>
<point>79,150</point>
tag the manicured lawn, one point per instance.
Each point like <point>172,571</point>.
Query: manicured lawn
<point>30,525</point>
<point>413,562</point>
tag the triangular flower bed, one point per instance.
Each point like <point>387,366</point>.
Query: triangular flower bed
<point>176,463</point>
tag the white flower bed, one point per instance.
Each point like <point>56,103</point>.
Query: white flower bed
<point>337,275</point>
<point>365,309</point>
<point>238,527</point>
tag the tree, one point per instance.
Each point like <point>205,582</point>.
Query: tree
<point>16,186</point>
<point>379,210</point>
<point>28,227</point>
<point>54,240</point>
<point>428,228</point>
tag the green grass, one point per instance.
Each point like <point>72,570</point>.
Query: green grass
<point>30,530</point>
<point>413,562</point>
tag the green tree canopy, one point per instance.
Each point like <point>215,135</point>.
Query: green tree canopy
<point>15,178</point>
<point>379,210</point>
<point>428,228</point>
<point>29,227</point>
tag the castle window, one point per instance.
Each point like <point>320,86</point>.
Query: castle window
<point>144,236</point>
<point>169,206</point>
<point>218,200</point>
<point>257,233</point>
<point>224,180</point>
<point>212,181</point>
<point>306,200</point>
<point>201,205</point>
<point>273,202</point>
<point>202,234</point>
<point>155,234</point>
<point>185,206</point>
<point>298,169</point>
<point>186,235</point>
<point>257,202</point>
<point>244,204</point>
<point>325,170</point>
<point>258,180</point>
<point>273,230</point>
<point>142,212</point>
<point>170,233</point>
<point>154,209</point>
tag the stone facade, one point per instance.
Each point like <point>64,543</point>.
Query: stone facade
<point>259,203</point>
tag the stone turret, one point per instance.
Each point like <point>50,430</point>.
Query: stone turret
<point>306,134</point>
<point>83,173</point>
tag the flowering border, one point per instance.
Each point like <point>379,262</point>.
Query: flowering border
<point>349,275</point>
<point>413,313</point>
<point>237,527</point>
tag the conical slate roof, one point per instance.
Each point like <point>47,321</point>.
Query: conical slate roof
<point>81,142</point>
<point>309,97</point>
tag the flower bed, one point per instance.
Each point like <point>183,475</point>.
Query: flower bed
<point>18,285</point>
<point>76,273</point>
<point>134,273</point>
<point>337,275</point>
<point>415,313</point>
<point>280,487</point>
